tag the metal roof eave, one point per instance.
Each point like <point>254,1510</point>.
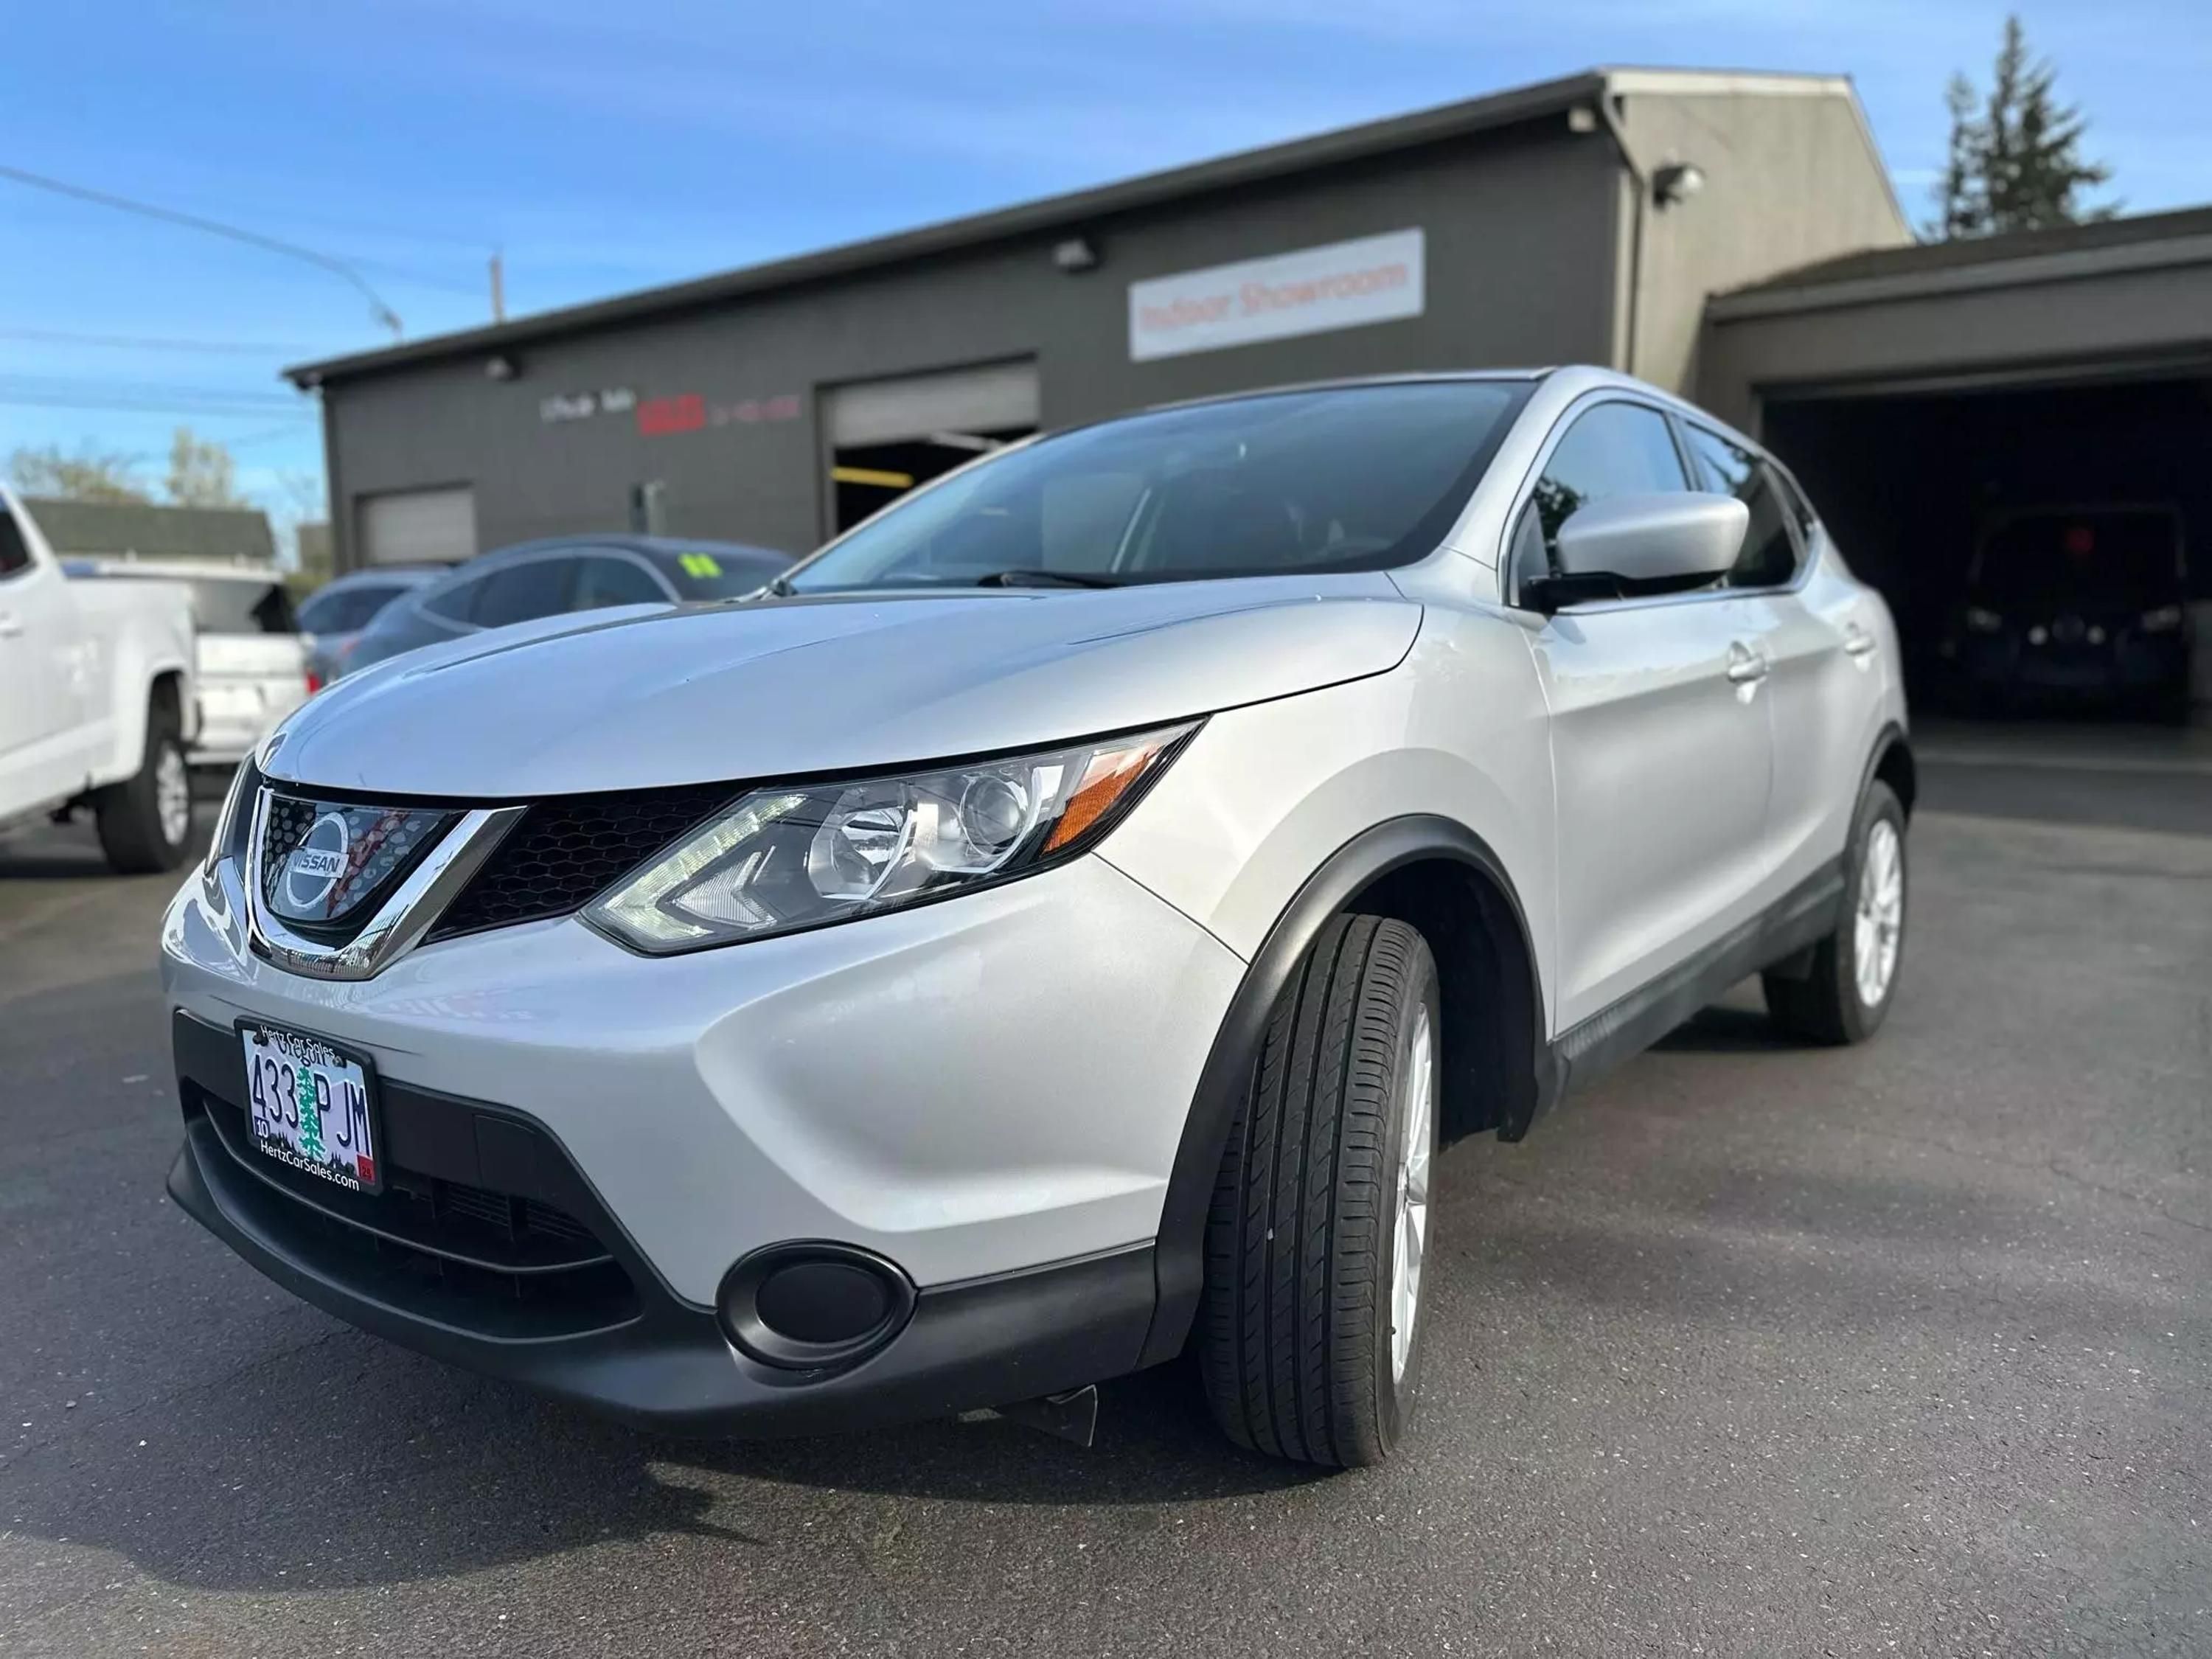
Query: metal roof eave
<point>1497,110</point>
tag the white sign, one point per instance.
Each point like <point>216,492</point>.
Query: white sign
<point>583,405</point>
<point>1372,279</point>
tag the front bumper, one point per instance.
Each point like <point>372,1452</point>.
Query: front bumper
<point>989,1093</point>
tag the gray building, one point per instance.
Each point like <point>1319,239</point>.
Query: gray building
<point>1583,220</point>
<point>1734,237</point>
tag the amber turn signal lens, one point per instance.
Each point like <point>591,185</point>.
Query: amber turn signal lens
<point>1105,780</point>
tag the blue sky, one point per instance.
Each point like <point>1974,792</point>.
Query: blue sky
<point>605,147</point>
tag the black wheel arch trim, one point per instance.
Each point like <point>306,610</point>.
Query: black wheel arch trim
<point>1892,739</point>
<point>1179,1256</point>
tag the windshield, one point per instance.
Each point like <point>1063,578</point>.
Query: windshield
<point>2111,557</point>
<point>1348,479</point>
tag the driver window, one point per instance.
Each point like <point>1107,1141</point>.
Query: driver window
<point>1614,449</point>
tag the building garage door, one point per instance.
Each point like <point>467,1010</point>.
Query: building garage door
<point>417,526</point>
<point>2043,547</point>
<point>887,436</point>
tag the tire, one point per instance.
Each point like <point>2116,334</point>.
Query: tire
<point>1298,1346</point>
<point>140,828</point>
<point>1834,1003</point>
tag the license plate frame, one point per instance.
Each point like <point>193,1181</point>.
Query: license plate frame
<point>359,1125</point>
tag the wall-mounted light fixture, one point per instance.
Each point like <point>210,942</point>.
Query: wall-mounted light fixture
<point>1675,183</point>
<point>498,368</point>
<point>1074,254</point>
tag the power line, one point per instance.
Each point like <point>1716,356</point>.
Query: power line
<point>131,405</point>
<point>383,313</point>
<point>143,342</point>
<point>35,386</point>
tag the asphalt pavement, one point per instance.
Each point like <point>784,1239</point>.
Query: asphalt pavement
<point>1753,1350</point>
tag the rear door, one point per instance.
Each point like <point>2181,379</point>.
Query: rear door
<point>1822,689</point>
<point>1660,751</point>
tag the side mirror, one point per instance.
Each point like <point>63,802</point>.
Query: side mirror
<point>1626,541</point>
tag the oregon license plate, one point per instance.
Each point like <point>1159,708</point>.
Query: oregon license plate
<point>310,1106</point>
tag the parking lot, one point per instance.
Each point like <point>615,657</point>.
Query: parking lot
<point>1752,1350</point>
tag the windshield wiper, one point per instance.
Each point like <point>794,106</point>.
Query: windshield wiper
<point>1044,579</point>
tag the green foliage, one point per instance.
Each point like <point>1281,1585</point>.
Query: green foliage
<point>90,475</point>
<point>202,473</point>
<point>2017,165</point>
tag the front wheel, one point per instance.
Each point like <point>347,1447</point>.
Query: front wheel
<point>1852,977</point>
<point>1310,1329</point>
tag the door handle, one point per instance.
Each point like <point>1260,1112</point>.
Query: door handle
<point>1858,642</point>
<point>1745,666</point>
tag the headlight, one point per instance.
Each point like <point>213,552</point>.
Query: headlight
<point>1983,622</point>
<point>2164,620</point>
<point>784,858</point>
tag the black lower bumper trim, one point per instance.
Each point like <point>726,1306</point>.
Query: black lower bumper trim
<point>983,1342</point>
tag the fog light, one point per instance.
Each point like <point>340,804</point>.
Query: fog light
<point>812,1306</point>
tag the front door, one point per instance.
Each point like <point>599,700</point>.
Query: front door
<point>1661,754</point>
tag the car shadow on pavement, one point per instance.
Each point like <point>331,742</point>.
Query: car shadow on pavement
<point>338,1461</point>
<point>1725,1028</point>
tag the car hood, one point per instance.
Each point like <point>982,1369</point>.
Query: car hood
<point>642,697</point>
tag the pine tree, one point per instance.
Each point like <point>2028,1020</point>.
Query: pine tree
<point>2018,166</point>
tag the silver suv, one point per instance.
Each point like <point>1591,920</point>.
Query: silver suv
<point>1056,924</point>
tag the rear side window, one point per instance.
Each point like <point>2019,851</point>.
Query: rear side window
<point>454,603</point>
<point>522,592</point>
<point>1769,558</point>
<point>602,581</point>
<point>345,610</point>
<point>14,555</point>
<point>1614,449</point>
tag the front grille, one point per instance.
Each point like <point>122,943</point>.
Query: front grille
<point>565,852</point>
<point>363,851</point>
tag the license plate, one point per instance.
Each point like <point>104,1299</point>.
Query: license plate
<point>310,1107</point>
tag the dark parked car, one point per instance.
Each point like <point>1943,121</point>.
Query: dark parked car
<point>2077,606</point>
<point>336,614</point>
<point>573,573</point>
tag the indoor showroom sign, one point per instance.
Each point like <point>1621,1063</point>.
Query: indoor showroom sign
<point>1312,290</point>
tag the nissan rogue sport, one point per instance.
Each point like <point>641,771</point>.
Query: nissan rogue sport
<point>1056,925</point>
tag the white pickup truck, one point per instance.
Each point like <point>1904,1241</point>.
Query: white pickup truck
<point>96,700</point>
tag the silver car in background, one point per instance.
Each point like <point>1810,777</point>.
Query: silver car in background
<point>1056,928</point>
